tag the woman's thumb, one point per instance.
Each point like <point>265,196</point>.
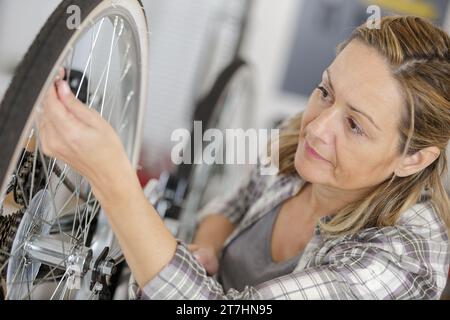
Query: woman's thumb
<point>73,105</point>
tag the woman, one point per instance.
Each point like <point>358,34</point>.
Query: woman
<point>358,210</point>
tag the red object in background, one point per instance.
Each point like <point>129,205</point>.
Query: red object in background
<point>143,176</point>
<point>147,172</point>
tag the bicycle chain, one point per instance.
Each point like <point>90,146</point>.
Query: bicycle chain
<point>8,228</point>
<point>24,178</point>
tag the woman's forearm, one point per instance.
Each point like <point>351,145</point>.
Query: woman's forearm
<point>213,231</point>
<point>146,243</point>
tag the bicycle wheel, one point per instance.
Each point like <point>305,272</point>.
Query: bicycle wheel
<point>55,241</point>
<point>227,106</point>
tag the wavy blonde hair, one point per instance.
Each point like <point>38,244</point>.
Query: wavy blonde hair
<point>419,57</point>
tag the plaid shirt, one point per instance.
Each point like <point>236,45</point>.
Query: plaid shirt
<point>407,261</point>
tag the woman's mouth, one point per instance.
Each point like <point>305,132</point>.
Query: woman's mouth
<point>312,153</point>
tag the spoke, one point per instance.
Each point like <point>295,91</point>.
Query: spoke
<point>33,172</point>
<point>54,278</point>
<point>89,217</point>
<point>83,232</point>
<point>102,76</point>
<point>59,285</point>
<point>125,108</point>
<point>71,55</point>
<point>28,285</point>
<point>62,177</point>
<point>109,59</point>
<point>93,214</point>
<point>46,278</point>
<point>89,57</point>
<point>116,88</point>
<point>72,211</point>
<point>83,216</point>
<point>123,126</point>
<point>10,255</point>
<point>91,54</point>
<point>19,268</point>
<point>77,213</point>
<point>65,288</point>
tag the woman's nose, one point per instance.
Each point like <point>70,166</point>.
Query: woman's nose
<point>325,125</point>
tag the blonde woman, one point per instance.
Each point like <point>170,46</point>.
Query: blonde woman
<point>358,210</point>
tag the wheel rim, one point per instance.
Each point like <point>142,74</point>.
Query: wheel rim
<point>111,76</point>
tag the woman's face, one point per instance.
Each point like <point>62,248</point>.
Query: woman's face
<point>351,121</point>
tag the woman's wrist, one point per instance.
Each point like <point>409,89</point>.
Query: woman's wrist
<point>116,187</point>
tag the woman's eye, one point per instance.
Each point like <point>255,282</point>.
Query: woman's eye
<point>354,127</point>
<point>325,95</point>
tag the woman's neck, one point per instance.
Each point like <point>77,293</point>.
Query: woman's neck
<point>324,200</point>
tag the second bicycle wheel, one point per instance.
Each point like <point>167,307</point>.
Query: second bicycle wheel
<point>228,105</point>
<point>55,242</point>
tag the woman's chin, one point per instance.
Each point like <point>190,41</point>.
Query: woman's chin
<point>308,170</point>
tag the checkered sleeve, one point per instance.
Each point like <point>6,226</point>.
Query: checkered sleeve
<point>349,270</point>
<point>359,273</point>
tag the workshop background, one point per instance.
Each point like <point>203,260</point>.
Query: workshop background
<point>287,43</point>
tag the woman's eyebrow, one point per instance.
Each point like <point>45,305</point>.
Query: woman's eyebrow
<point>349,105</point>
<point>364,114</point>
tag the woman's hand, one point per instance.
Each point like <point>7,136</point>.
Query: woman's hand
<point>206,257</point>
<point>79,136</point>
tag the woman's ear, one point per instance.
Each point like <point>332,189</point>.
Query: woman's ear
<point>418,161</point>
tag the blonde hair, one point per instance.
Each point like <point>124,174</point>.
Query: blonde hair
<point>418,53</point>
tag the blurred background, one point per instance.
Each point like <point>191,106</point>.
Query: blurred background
<point>286,43</point>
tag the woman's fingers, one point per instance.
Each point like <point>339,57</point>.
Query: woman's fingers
<point>47,132</point>
<point>55,112</point>
<point>206,257</point>
<point>61,73</point>
<point>75,106</point>
<point>193,247</point>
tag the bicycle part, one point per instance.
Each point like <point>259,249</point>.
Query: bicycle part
<point>106,58</point>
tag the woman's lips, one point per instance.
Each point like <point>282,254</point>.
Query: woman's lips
<point>312,153</point>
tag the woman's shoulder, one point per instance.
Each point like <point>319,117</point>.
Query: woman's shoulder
<point>420,221</point>
<point>417,233</point>
<point>423,220</point>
